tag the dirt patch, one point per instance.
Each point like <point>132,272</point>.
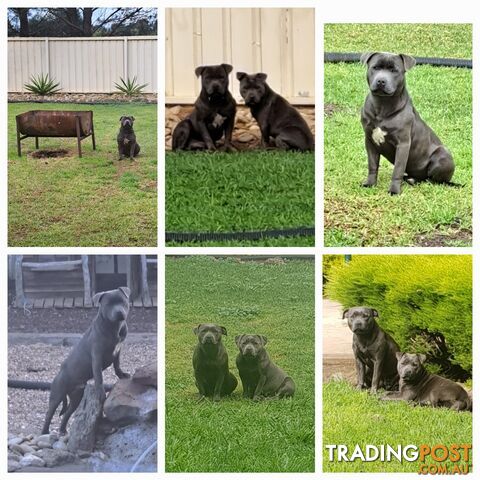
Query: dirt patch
<point>85,98</point>
<point>50,153</point>
<point>442,239</point>
<point>246,135</point>
<point>73,320</point>
<point>330,108</point>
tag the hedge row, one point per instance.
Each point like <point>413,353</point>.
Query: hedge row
<point>424,301</point>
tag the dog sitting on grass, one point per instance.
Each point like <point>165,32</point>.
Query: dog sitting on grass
<point>126,138</point>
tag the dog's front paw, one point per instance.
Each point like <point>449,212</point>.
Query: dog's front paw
<point>229,148</point>
<point>369,182</point>
<point>394,189</point>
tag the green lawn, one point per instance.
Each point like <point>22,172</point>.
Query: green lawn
<point>237,435</point>
<point>245,191</point>
<point>423,215</point>
<point>351,417</point>
<point>95,200</point>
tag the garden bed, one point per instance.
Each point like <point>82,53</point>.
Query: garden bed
<point>87,98</point>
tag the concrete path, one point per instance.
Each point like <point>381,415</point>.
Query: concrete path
<point>337,344</point>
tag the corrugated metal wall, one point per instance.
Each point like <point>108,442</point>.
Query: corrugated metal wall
<point>83,65</point>
<point>276,41</point>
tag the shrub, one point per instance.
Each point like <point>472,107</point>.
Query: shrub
<point>130,87</point>
<point>424,302</point>
<point>328,262</point>
<point>42,85</point>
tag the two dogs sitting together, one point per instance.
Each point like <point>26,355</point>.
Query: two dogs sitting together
<point>260,377</point>
<point>213,116</point>
<point>380,364</point>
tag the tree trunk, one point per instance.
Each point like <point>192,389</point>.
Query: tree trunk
<point>23,17</point>
<point>87,22</point>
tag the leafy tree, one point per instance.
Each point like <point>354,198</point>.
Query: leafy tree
<point>81,22</point>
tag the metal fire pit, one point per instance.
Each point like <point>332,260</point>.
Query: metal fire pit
<point>55,123</point>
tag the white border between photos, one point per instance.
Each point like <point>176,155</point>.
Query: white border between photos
<point>347,11</point>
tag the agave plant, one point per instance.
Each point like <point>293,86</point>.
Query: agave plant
<point>42,85</point>
<point>130,87</point>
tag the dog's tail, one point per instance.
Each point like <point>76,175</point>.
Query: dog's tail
<point>64,406</point>
<point>454,184</point>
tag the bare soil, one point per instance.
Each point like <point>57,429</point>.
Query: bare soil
<point>73,320</point>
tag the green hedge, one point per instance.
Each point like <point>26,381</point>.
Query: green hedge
<point>417,297</point>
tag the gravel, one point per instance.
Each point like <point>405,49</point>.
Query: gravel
<point>41,362</point>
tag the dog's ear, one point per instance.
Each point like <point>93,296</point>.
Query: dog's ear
<point>199,71</point>
<point>399,355</point>
<point>261,76</point>
<point>408,61</point>
<point>238,339</point>
<point>263,338</point>
<point>345,312</point>
<point>365,57</point>
<point>122,117</point>
<point>195,330</point>
<point>125,290</point>
<point>374,312</point>
<point>422,357</point>
<point>97,298</point>
<point>228,68</point>
<point>241,75</point>
<point>224,331</point>
<point>133,118</point>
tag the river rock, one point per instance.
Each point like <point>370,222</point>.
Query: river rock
<point>130,402</point>
<point>30,460</point>
<point>22,449</point>
<point>13,466</point>
<point>146,375</point>
<point>54,458</point>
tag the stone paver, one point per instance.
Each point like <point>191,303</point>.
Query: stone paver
<point>338,359</point>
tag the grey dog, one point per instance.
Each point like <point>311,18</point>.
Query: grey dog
<point>394,129</point>
<point>213,115</point>
<point>421,387</point>
<point>210,362</point>
<point>97,349</point>
<point>276,118</point>
<point>126,138</point>
<point>374,350</point>
<point>260,376</point>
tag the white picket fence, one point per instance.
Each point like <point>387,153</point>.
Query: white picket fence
<point>83,65</point>
<point>276,41</point>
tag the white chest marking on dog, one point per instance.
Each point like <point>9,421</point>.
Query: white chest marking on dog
<point>218,120</point>
<point>378,136</point>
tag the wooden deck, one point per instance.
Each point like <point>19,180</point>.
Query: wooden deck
<point>78,302</point>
